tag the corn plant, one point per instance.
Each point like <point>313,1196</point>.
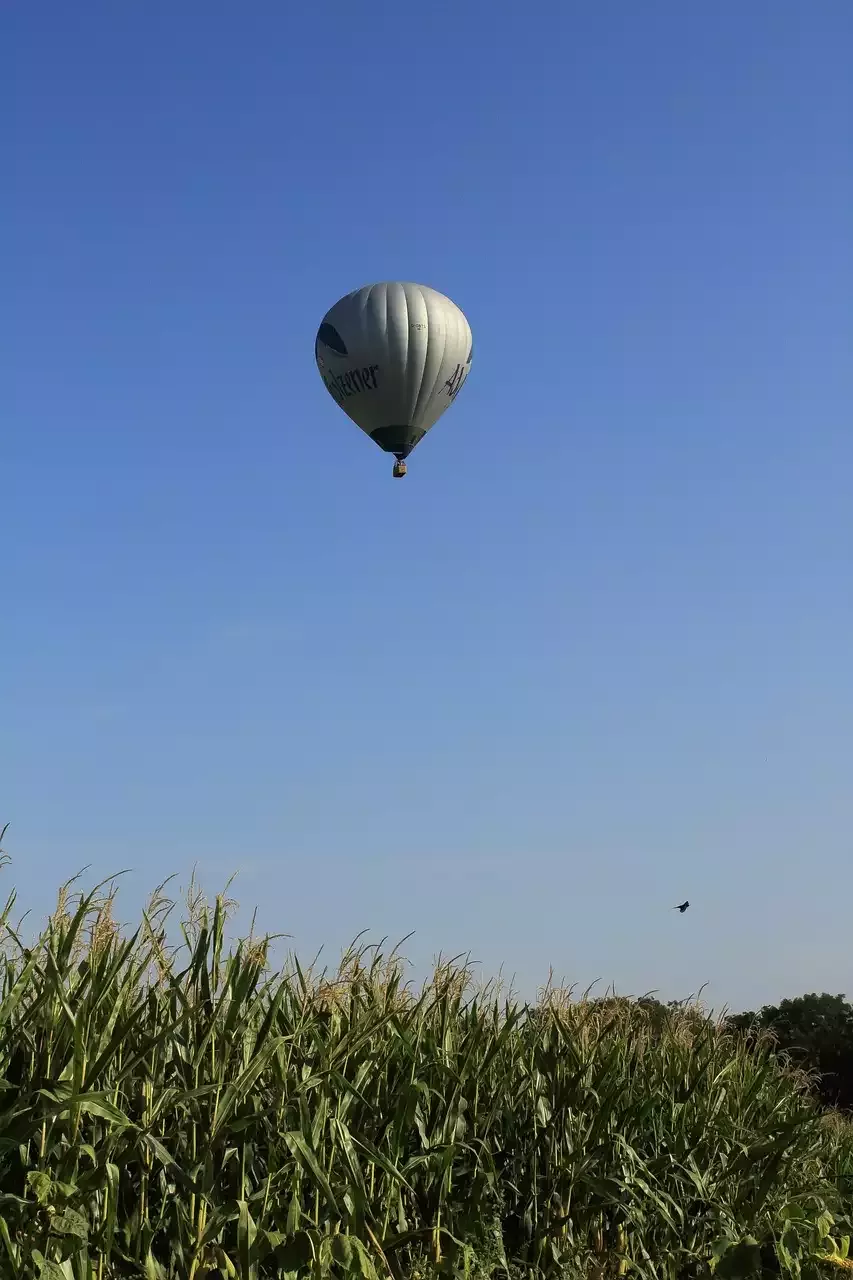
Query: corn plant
<point>183,1109</point>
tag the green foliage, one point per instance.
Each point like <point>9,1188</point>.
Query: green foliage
<point>187,1112</point>
<point>816,1033</point>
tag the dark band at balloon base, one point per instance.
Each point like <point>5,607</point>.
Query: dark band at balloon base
<point>397,440</point>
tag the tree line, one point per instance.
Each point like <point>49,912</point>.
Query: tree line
<point>813,1032</point>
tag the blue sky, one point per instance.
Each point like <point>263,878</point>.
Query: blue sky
<point>594,655</point>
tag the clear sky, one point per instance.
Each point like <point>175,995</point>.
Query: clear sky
<point>594,655</point>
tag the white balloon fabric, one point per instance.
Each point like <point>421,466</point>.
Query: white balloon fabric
<point>394,356</point>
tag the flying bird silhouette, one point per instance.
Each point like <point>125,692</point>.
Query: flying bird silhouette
<point>682,907</point>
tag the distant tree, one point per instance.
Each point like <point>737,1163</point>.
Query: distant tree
<point>816,1032</point>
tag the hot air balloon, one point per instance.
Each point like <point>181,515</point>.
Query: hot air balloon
<point>394,356</point>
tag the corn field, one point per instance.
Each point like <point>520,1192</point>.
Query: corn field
<point>172,1106</point>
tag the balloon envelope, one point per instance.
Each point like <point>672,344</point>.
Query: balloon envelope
<point>394,356</point>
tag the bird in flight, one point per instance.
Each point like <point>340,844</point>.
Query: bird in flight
<point>682,907</point>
